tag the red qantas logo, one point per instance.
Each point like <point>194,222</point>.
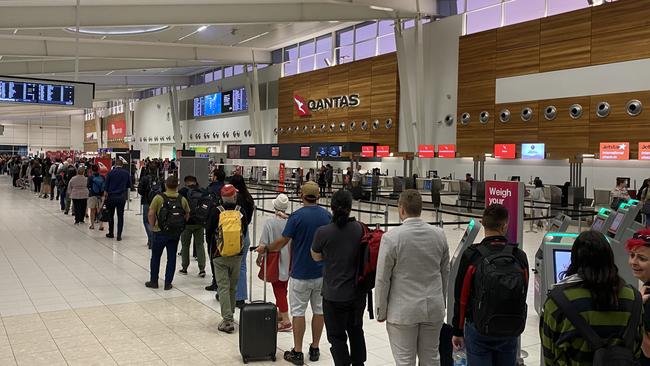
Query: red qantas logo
<point>301,106</point>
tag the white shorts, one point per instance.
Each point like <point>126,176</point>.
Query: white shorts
<point>94,202</point>
<point>302,292</point>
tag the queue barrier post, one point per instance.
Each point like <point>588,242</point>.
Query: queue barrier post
<point>386,217</point>
<point>254,231</point>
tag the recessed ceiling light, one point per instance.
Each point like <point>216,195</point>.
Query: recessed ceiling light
<point>381,8</point>
<point>110,72</point>
<point>202,28</point>
<point>118,31</point>
<point>15,30</point>
<point>253,37</point>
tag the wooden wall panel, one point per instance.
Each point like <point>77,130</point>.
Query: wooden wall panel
<point>633,44</point>
<point>515,136</point>
<point>476,45</point>
<point>564,142</point>
<point>477,55</point>
<point>567,54</point>
<point>521,61</point>
<point>515,117</point>
<point>469,145</point>
<point>563,27</point>
<point>475,138</point>
<point>620,16</point>
<point>618,117</point>
<point>520,35</point>
<point>476,93</point>
<point>563,119</point>
<point>633,134</point>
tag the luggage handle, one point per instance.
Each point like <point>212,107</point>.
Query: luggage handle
<point>252,249</point>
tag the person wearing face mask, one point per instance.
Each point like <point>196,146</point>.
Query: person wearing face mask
<point>639,260</point>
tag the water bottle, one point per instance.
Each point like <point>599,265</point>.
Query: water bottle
<point>459,358</point>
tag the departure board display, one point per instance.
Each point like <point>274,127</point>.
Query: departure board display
<point>40,93</point>
<point>218,103</point>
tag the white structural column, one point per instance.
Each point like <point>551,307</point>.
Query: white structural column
<point>175,118</point>
<point>254,111</point>
<point>129,119</point>
<point>408,93</point>
<point>98,128</point>
<point>420,97</point>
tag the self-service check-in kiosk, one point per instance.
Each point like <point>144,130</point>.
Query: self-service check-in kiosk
<point>552,258</point>
<point>469,238</point>
<point>559,224</point>
<point>622,227</point>
<point>603,220</point>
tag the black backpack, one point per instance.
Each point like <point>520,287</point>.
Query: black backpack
<point>604,354</point>
<point>155,188</point>
<point>171,217</point>
<point>500,288</point>
<point>70,172</point>
<point>200,205</point>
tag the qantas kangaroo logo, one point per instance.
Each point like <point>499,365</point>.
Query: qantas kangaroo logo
<point>301,106</point>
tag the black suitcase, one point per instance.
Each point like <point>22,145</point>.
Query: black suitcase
<point>258,325</point>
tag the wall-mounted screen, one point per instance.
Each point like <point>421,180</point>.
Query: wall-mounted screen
<point>305,151</point>
<point>230,101</point>
<point>561,261</point>
<point>239,100</point>
<point>532,151</point>
<point>226,102</point>
<point>426,151</point>
<point>334,151</point>
<point>198,107</point>
<point>614,151</point>
<point>275,151</point>
<point>40,93</point>
<point>367,151</point>
<point>383,151</point>
<point>322,151</point>
<point>505,151</point>
<point>447,151</point>
<point>233,152</point>
<point>252,151</point>
<point>212,104</point>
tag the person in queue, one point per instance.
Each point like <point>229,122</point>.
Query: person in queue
<point>411,283</point>
<point>78,190</point>
<point>595,292</point>
<point>338,245</point>
<point>244,200</point>
<point>149,181</point>
<point>118,182</point>
<point>639,249</point>
<point>306,278</point>
<point>96,186</point>
<point>217,182</point>
<point>193,193</point>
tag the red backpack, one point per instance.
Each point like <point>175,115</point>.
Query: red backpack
<point>368,256</point>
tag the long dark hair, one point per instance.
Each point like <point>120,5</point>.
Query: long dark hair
<point>238,182</point>
<point>341,207</point>
<point>593,260</point>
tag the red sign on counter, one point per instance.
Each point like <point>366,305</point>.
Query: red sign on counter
<point>367,151</point>
<point>383,151</point>
<point>615,151</point>
<point>447,151</point>
<point>426,151</point>
<point>644,150</point>
<point>505,151</point>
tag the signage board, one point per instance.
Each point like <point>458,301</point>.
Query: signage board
<point>505,151</point>
<point>532,151</point>
<point>281,178</point>
<point>367,151</point>
<point>275,151</point>
<point>105,165</point>
<point>252,151</point>
<point>383,151</point>
<point>447,151</point>
<point>46,92</point>
<point>644,150</point>
<point>117,128</point>
<point>305,151</point>
<point>614,151</point>
<point>426,151</point>
<point>511,196</point>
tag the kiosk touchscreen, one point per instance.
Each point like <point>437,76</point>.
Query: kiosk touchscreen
<point>624,218</point>
<point>552,258</point>
<point>621,228</point>
<point>469,238</point>
<point>603,220</point>
<point>559,224</point>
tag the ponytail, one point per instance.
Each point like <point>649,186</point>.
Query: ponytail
<point>341,207</point>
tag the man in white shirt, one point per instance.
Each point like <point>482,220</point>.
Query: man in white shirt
<point>411,283</point>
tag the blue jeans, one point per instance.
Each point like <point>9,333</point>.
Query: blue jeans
<point>145,221</point>
<point>161,242</point>
<point>242,290</point>
<point>484,350</point>
<point>62,196</point>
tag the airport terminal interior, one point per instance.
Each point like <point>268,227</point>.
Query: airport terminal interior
<point>540,106</point>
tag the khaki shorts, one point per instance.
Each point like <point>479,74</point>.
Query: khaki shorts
<point>94,202</point>
<point>303,292</point>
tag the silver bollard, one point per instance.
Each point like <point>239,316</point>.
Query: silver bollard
<point>386,217</point>
<point>253,243</point>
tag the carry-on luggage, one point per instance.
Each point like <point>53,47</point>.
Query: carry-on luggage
<point>258,325</point>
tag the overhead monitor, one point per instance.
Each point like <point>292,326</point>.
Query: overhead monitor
<point>226,102</point>
<point>505,151</point>
<point>233,152</point>
<point>561,262</point>
<point>231,101</point>
<point>614,151</point>
<point>426,151</point>
<point>368,151</point>
<point>598,224</point>
<point>532,151</point>
<point>198,107</point>
<point>613,228</point>
<point>275,151</point>
<point>447,151</point>
<point>383,151</point>
<point>322,151</point>
<point>252,151</point>
<point>212,104</point>
<point>46,92</point>
<point>334,151</point>
<point>305,151</point>
<point>239,100</point>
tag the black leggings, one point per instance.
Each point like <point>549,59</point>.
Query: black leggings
<point>79,208</point>
<point>37,184</point>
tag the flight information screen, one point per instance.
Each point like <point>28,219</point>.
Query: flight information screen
<point>218,103</point>
<point>40,93</point>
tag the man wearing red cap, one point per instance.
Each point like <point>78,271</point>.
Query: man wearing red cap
<point>226,268</point>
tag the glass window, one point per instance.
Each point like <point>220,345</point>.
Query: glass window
<point>227,72</point>
<point>365,31</point>
<point>478,4</point>
<point>217,74</point>
<point>290,68</point>
<point>306,64</point>
<point>344,54</point>
<point>276,56</point>
<point>307,48</point>
<point>320,60</point>
<point>208,77</point>
<point>460,5</point>
<point>425,20</point>
<point>409,24</point>
<point>345,37</point>
<point>386,44</point>
<point>365,49</point>
<point>485,19</point>
<point>523,10</point>
<point>291,53</point>
<point>261,66</point>
<point>386,27</point>
<point>324,43</point>
<point>563,6</point>
<point>238,69</point>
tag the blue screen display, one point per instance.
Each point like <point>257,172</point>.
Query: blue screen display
<point>532,151</point>
<point>322,150</point>
<point>212,104</point>
<point>334,151</point>
<point>218,103</point>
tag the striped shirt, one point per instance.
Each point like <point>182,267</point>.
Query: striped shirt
<point>562,344</point>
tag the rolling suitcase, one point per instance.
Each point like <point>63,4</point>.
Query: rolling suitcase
<point>258,324</point>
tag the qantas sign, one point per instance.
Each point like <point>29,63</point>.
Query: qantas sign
<point>304,108</point>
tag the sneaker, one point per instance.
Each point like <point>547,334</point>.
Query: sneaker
<point>314,354</point>
<point>212,287</point>
<point>226,327</point>
<point>168,286</point>
<point>151,284</point>
<point>231,327</point>
<point>182,271</point>
<point>202,274</point>
<point>296,358</point>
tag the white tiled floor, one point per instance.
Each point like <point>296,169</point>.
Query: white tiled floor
<point>69,296</point>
